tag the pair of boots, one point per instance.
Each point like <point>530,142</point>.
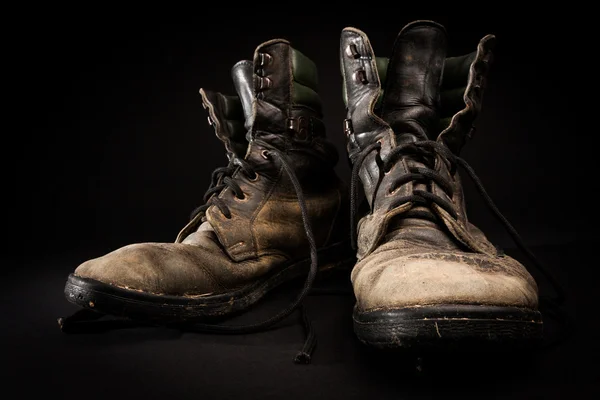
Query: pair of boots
<point>422,274</point>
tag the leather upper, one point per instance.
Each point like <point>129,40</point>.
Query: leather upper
<point>408,110</point>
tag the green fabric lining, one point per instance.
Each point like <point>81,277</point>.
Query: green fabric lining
<point>232,107</point>
<point>306,96</point>
<point>382,65</point>
<point>456,74</point>
<point>304,70</point>
<point>452,101</point>
<point>456,71</point>
<point>235,127</point>
<point>305,81</point>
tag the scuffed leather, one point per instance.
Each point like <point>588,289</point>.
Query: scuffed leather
<point>459,264</point>
<point>268,220</point>
<point>194,268</point>
<point>413,85</point>
<point>418,264</point>
<point>215,254</point>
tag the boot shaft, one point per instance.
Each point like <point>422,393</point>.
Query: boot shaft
<point>417,91</point>
<point>287,102</point>
<point>277,109</point>
<point>423,98</point>
<point>277,106</point>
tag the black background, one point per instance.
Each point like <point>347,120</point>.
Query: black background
<point>112,147</point>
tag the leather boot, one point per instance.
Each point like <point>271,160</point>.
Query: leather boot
<point>269,215</point>
<point>425,275</point>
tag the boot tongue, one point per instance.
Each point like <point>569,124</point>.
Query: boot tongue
<point>242,74</point>
<point>410,103</point>
<point>411,95</point>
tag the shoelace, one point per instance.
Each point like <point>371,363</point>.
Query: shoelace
<point>427,150</point>
<point>221,178</point>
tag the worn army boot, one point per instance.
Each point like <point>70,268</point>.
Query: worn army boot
<point>269,215</point>
<point>425,275</point>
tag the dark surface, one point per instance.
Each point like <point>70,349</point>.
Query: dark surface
<point>158,363</point>
<point>113,148</point>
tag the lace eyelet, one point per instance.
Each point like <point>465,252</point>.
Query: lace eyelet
<point>387,171</point>
<point>361,76</point>
<point>392,192</point>
<point>240,198</point>
<point>265,154</point>
<point>352,51</point>
<point>254,178</point>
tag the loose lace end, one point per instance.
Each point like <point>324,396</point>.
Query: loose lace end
<point>72,323</point>
<point>87,321</point>
<point>302,358</point>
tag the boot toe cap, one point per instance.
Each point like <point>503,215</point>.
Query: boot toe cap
<point>156,268</point>
<point>391,280</point>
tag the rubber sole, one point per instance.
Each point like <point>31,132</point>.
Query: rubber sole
<point>446,326</point>
<point>143,306</point>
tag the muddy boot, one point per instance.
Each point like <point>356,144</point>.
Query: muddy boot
<point>425,275</point>
<point>269,216</point>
